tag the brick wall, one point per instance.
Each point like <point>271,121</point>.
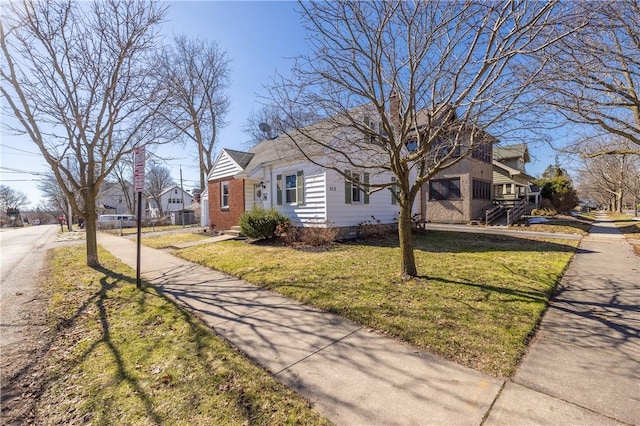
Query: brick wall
<point>223,219</point>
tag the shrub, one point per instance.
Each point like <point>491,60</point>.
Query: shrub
<point>544,212</point>
<point>260,223</point>
<point>373,229</point>
<point>318,237</point>
<point>310,236</point>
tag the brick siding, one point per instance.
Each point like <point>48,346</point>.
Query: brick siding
<point>223,219</point>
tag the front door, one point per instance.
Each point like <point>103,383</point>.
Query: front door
<point>258,195</point>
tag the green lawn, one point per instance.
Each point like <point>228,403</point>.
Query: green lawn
<point>477,301</point>
<point>123,356</point>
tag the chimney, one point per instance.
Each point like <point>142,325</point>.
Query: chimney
<point>394,109</point>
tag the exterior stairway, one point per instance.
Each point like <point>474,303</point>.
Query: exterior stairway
<point>234,231</point>
<point>505,214</point>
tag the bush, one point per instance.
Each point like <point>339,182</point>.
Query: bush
<point>309,236</point>
<point>374,229</point>
<point>544,212</point>
<point>260,223</point>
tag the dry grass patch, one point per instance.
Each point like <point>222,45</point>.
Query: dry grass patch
<point>629,227</point>
<point>123,356</point>
<point>561,225</point>
<point>169,240</point>
<point>477,302</point>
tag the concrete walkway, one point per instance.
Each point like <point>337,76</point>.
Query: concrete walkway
<point>584,364</point>
<point>355,376</point>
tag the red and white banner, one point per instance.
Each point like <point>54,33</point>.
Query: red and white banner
<point>138,169</point>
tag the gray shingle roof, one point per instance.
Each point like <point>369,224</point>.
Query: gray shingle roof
<point>240,157</point>
<point>519,150</point>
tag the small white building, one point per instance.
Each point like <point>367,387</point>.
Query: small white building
<point>171,200</point>
<point>112,198</point>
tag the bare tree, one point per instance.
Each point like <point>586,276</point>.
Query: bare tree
<point>592,77</point>
<point>54,194</point>
<point>76,78</point>
<point>123,172</point>
<point>255,128</point>
<point>157,179</point>
<point>610,178</point>
<point>196,73</point>
<point>11,199</point>
<point>449,67</point>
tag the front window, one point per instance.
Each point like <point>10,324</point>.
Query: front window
<point>482,152</point>
<point>444,189</point>
<point>224,195</point>
<point>481,190</point>
<point>291,186</point>
<point>355,189</point>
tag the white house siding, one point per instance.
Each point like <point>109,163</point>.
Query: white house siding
<point>340,214</point>
<point>173,194</point>
<point>204,211</point>
<point>224,167</point>
<point>313,211</point>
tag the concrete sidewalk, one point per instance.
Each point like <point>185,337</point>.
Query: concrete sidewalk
<point>584,365</point>
<point>355,376</point>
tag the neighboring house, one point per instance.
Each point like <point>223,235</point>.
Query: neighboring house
<point>462,192</point>
<point>171,200</point>
<point>112,198</point>
<point>511,182</point>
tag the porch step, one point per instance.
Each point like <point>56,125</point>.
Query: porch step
<point>234,231</point>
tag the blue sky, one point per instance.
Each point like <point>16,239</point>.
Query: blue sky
<point>259,37</point>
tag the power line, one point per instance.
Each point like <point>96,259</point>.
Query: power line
<point>21,150</point>
<point>29,172</point>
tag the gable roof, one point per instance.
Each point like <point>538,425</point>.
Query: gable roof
<point>330,132</point>
<point>507,152</point>
<point>240,157</point>
<point>283,148</point>
<point>512,172</point>
<point>164,191</point>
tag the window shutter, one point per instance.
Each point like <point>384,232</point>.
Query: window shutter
<point>394,191</point>
<point>365,178</point>
<point>279,189</point>
<point>300,187</point>
<point>347,188</point>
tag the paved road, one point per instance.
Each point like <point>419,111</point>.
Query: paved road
<point>22,253</point>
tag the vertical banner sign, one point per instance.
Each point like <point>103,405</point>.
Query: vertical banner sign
<point>138,169</point>
<point>138,183</point>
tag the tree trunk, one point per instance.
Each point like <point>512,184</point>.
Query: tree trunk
<point>408,261</point>
<point>91,238</point>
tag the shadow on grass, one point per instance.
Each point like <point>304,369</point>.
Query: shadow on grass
<point>458,242</point>
<point>108,282</point>
<point>629,227</point>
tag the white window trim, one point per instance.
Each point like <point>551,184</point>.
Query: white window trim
<point>224,206</point>
<point>294,189</point>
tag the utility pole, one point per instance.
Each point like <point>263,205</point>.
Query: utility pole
<point>182,196</point>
